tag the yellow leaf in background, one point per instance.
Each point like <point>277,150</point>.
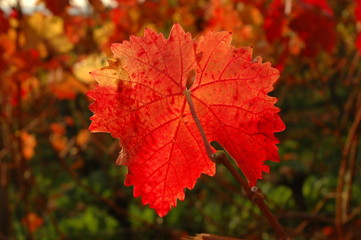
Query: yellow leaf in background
<point>151,26</point>
<point>103,33</point>
<point>251,15</point>
<point>61,44</point>
<point>43,52</point>
<point>82,68</point>
<point>47,29</point>
<point>46,26</point>
<point>134,15</point>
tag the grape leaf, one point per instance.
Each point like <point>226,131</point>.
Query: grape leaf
<point>140,100</point>
<point>311,20</point>
<point>232,103</point>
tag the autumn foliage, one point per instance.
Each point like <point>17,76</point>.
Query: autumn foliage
<point>140,99</point>
<point>57,180</point>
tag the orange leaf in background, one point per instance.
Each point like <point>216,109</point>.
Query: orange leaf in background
<point>127,2</point>
<point>69,121</point>
<point>58,142</point>
<point>29,144</point>
<point>140,99</point>
<point>32,221</point>
<point>64,85</point>
<point>79,163</point>
<point>82,138</point>
<point>57,128</point>
<point>97,5</point>
<point>57,138</point>
<point>7,46</point>
<point>75,29</point>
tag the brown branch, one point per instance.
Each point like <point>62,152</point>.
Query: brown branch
<point>341,214</point>
<point>351,175</point>
<point>355,212</point>
<point>253,194</point>
<point>207,236</point>
<point>299,229</point>
<point>307,216</point>
<point>23,171</point>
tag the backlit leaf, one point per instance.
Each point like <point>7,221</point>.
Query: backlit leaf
<point>140,100</point>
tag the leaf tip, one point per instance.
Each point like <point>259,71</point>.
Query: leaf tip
<point>176,29</point>
<point>114,47</point>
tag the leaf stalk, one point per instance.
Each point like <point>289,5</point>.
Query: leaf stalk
<point>209,150</point>
<point>254,194</point>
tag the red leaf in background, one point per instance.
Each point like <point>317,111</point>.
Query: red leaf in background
<point>4,23</point>
<point>358,43</point>
<point>316,26</point>
<point>140,100</point>
<point>320,4</point>
<point>358,10</point>
<point>358,19</point>
<point>275,21</point>
<point>312,20</point>
<point>56,7</point>
<point>318,31</point>
<point>32,222</point>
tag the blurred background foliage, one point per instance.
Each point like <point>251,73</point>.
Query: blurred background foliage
<point>58,181</point>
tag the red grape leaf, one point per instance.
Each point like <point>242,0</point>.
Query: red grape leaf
<point>231,100</point>
<point>140,100</point>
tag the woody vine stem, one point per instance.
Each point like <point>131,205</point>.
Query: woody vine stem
<point>254,194</point>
